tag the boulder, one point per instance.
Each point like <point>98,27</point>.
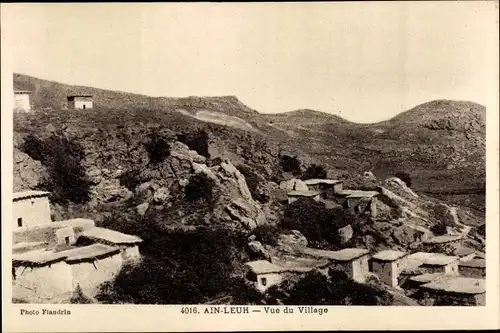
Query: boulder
<point>231,171</point>
<point>401,185</point>
<point>405,235</point>
<point>182,152</point>
<point>291,241</point>
<point>446,214</point>
<point>27,172</point>
<point>258,251</point>
<point>345,234</point>
<point>293,185</point>
<point>94,176</point>
<point>161,196</point>
<point>242,212</point>
<point>142,208</point>
<point>202,168</point>
<point>368,175</point>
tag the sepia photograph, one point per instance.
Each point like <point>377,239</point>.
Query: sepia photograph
<point>238,158</point>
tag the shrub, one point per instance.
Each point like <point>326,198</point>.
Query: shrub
<point>315,171</point>
<point>267,234</point>
<point>200,187</point>
<point>404,176</point>
<point>291,164</point>
<point>157,148</point>
<point>63,159</point>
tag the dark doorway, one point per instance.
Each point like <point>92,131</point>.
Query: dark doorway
<point>84,106</point>
<point>20,222</point>
<point>66,240</point>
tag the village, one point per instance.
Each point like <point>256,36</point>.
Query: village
<point>54,259</point>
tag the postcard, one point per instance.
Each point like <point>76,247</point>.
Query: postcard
<point>250,166</point>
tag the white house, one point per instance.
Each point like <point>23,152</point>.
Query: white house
<point>30,208</point>
<point>80,102</point>
<point>22,100</point>
<point>263,274</point>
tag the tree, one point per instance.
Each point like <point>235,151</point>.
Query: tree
<point>291,164</point>
<point>404,176</point>
<point>315,171</point>
<point>79,297</point>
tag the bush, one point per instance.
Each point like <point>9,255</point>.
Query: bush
<point>315,171</point>
<point>267,234</point>
<point>404,176</point>
<point>200,187</point>
<point>337,289</point>
<point>63,159</point>
<point>197,141</point>
<point>291,164</point>
<point>157,148</point>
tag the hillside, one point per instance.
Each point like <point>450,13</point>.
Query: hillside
<point>440,143</point>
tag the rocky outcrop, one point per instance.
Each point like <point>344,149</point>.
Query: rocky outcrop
<point>246,213</point>
<point>400,185</point>
<point>345,234</point>
<point>27,172</point>
<point>257,251</point>
<point>293,185</point>
<point>142,208</point>
<point>291,242</point>
<point>161,196</point>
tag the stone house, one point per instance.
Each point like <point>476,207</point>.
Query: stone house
<point>263,274</point>
<point>80,102</point>
<point>327,187</point>
<point>22,100</point>
<point>387,265</point>
<point>352,261</point>
<point>30,208</point>
<point>475,268</point>
<point>457,290</point>
<point>361,201</point>
<point>296,195</point>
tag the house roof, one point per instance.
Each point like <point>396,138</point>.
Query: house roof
<point>23,247</point>
<point>428,258</point>
<point>457,284</point>
<point>263,267</point>
<point>388,255</point>
<point>463,251</point>
<point>439,260</point>
<point>22,91</point>
<point>110,236</point>
<point>89,253</point>
<point>479,263</point>
<point>351,194</point>
<point>16,196</point>
<point>426,278</point>
<point>79,95</point>
<point>303,193</point>
<point>316,181</point>
<point>341,255</point>
<point>38,258</point>
<point>299,264</point>
<point>443,239</point>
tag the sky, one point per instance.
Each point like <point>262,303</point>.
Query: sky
<point>363,61</point>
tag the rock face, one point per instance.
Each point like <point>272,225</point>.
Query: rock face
<point>27,171</point>
<point>397,183</point>
<point>257,250</point>
<point>142,208</point>
<point>161,196</point>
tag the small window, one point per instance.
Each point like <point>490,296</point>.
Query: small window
<point>84,106</point>
<point>20,222</point>
<point>263,281</point>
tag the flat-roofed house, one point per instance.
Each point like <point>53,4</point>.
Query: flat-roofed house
<point>80,102</point>
<point>263,274</point>
<point>296,195</point>
<point>387,265</point>
<point>22,100</point>
<point>128,244</point>
<point>30,208</point>
<point>474,268</point>
<point>361,201</point>
<point>457,290</point>
<point>327,187</point>
<point>440,263</point>
<point>450,240</point>
<point>352,261</point>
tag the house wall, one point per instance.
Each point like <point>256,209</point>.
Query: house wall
<point>43,284</point>
<point>373,207</point>
<point>22,102</point>
<point>83,104</point>
<point>271,280</point>
<point>338,187</point>
<point>480,299</point>
<point>90,277</point>
<point>293,199</point>
<point>360,269</point>
<point>387,272</point>
<point>62,233</point>
<point>33,211</point>
<point>452,268</point>
<point>473,272</point>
